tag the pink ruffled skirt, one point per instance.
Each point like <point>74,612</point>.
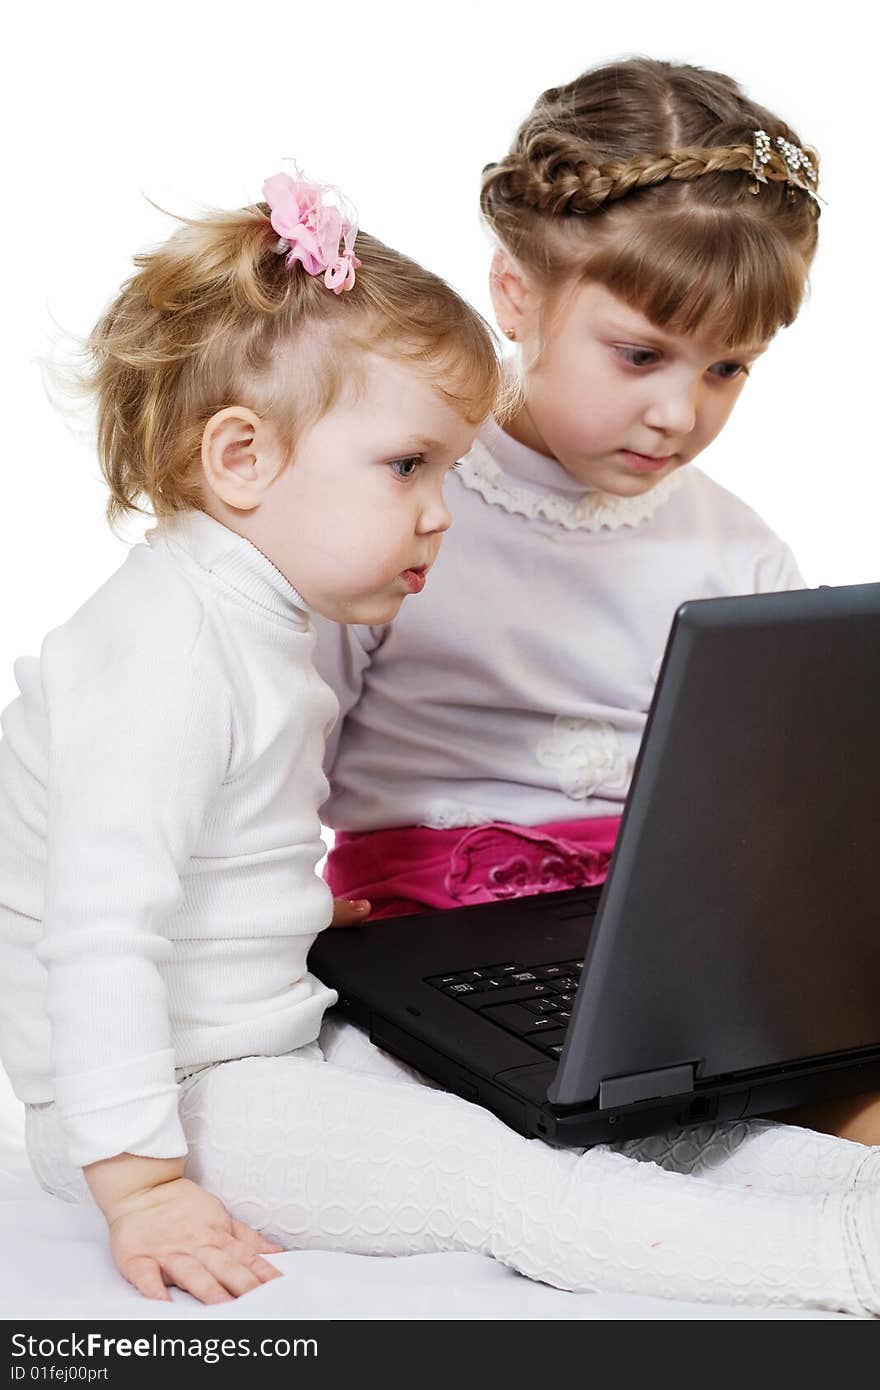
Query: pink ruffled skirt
<point>416,869</point>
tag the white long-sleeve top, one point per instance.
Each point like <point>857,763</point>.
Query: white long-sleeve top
<point>160,778</point>
<point>516,686</point>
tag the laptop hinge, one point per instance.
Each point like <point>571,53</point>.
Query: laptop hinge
<point>645,1085</point>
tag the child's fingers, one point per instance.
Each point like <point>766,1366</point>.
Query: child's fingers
<point>190,1274</point>
<point>347,912</point>
<point>243,1252</point>
<point>146,1276</point>
<point>230,1272</point>
<point>253,1240</point>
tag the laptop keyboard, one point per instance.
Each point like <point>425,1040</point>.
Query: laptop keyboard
<point>532,1001</point>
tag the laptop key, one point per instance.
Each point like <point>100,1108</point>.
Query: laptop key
<point>543,1023</point>
<point>451,977</point>
<point>541,1006</point>
<point>548,972</point>
<point>476,986</point>
<point>513,1017</point>
<point>487,999</point>
<point>500,979</point>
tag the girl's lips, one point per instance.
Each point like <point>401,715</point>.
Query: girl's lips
<point>415,579</point>
<point>643,464</point>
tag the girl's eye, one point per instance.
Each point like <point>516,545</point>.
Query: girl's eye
<point>637,357</point>
<point>406,468</point>
<point>731,370</point>
<point>646,357</point>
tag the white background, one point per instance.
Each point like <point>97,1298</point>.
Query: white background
<point>194,104</point>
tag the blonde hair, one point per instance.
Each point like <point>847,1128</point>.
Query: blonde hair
<point>206,322</point>
<point>636,175</point>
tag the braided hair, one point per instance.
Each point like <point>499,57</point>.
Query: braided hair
<point>638,175</point>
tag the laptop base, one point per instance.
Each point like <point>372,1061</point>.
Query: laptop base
<point>526,1110</point>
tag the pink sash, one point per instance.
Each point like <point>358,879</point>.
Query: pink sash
<point>415,869</point>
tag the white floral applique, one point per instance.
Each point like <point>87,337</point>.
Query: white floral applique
<point>586,753</point>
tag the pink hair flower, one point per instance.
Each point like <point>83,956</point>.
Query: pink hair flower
<point>314,230</point>
<point>339,274</point>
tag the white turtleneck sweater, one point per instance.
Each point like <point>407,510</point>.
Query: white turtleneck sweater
<point>516,686</point>
<point>160,775</point>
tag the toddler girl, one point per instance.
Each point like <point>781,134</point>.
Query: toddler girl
<point>288,407</point>
<point>288,397</point>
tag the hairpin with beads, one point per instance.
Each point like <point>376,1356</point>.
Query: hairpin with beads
<point>800,169</point>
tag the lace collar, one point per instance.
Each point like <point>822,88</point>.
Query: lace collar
<point>534,486</point>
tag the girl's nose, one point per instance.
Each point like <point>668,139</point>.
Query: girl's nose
<point>674,410</point>
<point>434,515</point>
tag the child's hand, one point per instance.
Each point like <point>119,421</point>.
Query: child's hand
<point>349,914</point>
<point>177,1233</point>
<point>168,1230</point>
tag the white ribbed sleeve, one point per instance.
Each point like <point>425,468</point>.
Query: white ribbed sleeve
<point>135,756</point>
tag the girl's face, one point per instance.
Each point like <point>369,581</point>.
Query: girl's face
<point>356,519</point>
<point>618,402</point>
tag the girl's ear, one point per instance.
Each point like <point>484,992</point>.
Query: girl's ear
<point>241,457</point>
<point>511,295</point>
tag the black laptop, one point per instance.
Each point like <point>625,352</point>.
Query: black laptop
<point>730,966</point>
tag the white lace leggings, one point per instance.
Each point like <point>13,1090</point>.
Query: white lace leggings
<point>358,1153</point>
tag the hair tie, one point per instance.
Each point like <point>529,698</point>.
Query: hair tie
<point>316,226</point>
